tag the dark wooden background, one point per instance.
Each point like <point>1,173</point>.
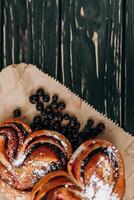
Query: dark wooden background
<point>86,44</point>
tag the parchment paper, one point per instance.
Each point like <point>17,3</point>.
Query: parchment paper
<point>17,82</point>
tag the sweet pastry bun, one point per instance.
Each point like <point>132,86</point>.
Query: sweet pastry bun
<point>56,185</point>
<point>95,172</point>
<point>98,168</point>
<point>27,156</point>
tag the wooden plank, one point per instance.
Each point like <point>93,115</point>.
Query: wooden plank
<point>129,70</point>
<point>31,33</point>
<point>91,55</point>
<point>1,33</point>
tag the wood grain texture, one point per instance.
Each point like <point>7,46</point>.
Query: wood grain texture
<point>79,42</point>
<point>1,32</point>
<point>31,33</point>
<point>129,72</point>
<point>91,55</point>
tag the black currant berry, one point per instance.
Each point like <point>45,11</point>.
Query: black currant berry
<point>43,112</point>
<point>87,128</point>
<point>33,99</point>
<point>84,135</point>
<point>73,119</point>
<point>40,92</point>
<point>46,98</point>
<point>61,105</point>
<point>63,130</point>
<point>90,122</point>
<point>37,119</point>
<point>56,126</point>
<point>45,117</point>
<point>48,109</point>
<point>50,116</point>
<point>58,117</point>
<point>100,126</point>
<point>33,126</point>
<point>94,133</point>
<point>77,125</point>
<point>54,105</point>
<point>40,106</point>
<point>38,127</point>
<point>66,116</point>
<point>53,167</point>
<point>55,97</point>
<point>45,122</point>
<point>17,113</point>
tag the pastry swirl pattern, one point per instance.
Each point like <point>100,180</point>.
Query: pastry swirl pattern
<point>95,172</point>
<point>56,185</point>
<point>97,167</point>
<point>26,156</point>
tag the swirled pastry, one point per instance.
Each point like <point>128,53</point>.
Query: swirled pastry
<point>95,172</point>
<point>97,167</point>
<point>56,186</point>
<point>26,156</point>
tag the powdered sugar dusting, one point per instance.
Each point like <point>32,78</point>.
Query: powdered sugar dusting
<point>42,169</point>
<point>19,160</point>
<point>98,190</point>
<point>112,152</point>
<point>105,168</point>
<point>40,172</point>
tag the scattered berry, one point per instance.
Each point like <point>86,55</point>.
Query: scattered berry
<point>56,126</point>
<point>55,97</point>
<point>100,126</point>
<point>54,105</point>
<point>66,116</point>
<point>37,119</point>
<point>43,112</point>
<point>33,126</point>
<point>77,125</point>
<point>63,130</point>
<point>48,109</point>
<point>45,117</point>
<point>61,105</point>
<point>58,117</point>
<point>40,106</point>
<point>33,99</point>
<point>40,92</point>
<point>51,117</point>
<point>17,113</point>
<point>90,122</point>
<point>73,119</point>
<point>46,98</point>
<point>45,122</point>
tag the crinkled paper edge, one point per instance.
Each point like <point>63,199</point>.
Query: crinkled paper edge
<point>24,79</point>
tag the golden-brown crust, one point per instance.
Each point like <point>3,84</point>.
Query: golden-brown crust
<point>101,160</point>
<point>13,119</point>
<point>96,165</point>
<point>56,185</point>
<point>26,156</point>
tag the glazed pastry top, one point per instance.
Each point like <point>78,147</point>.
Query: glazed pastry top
<point>98,168</point>
<point>26,156</point>
<point>95,171</point>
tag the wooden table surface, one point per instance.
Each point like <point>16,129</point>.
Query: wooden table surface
<point>86,44</point>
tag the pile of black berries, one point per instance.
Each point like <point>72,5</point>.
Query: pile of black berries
<point>51,116</point>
